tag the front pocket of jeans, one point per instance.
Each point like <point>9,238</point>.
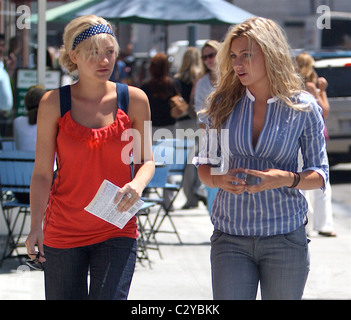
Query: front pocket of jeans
<point>296,238</point>
<point>216,235</point>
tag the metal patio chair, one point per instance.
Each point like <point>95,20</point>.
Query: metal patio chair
<point>16,169</point>
<point>173,153</point>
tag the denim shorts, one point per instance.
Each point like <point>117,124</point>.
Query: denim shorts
<point>110,265</point>
<point>280,263</point>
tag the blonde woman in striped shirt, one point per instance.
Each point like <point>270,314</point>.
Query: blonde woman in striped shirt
<point>261,117</point>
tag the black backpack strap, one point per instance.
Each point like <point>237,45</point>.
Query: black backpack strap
<point>122,96</point>
<point>65,99</point>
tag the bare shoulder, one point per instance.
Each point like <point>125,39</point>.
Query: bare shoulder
<point>49,106</point>
<point>137,95</point>
<point>138,102</point>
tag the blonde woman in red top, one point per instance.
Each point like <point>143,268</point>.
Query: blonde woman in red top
<point>88,125</point>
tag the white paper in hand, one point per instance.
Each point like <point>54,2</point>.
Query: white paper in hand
<point>103,206</point>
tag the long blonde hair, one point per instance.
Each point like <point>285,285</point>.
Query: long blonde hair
<point>215,45</point>
<point>75,28</point>
<point>305,66</point>
<point>285,82</point>
<point>190,67</point>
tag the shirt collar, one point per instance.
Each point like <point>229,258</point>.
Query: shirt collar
<point>252,97</point>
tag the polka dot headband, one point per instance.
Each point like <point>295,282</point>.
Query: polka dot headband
<point>97,29</point>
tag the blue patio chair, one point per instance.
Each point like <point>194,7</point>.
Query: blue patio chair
<point>154,193</point>
<point>173,153</point>
<point>143,243</point>
<point>16,169</point>
<point>7,144</point>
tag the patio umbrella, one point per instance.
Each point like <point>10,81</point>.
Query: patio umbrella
<point>161,12</point>
<point>168,11</point>
<point>65,12</point>
<point>150,11</point>
<point>164,12</point>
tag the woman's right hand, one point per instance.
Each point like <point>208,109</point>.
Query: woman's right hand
<point>230,182</point>
<point>35,238</point>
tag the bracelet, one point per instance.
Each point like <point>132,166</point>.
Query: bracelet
<point>296,180</point>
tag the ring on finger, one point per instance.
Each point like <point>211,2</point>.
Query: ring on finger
<point>129,195</point>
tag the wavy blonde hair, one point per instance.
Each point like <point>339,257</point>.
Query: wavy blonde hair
<point>190,67</point>
<point>285,82</point>
<point>215,45</point>
<point>305,66</point>
<point>75,28</point>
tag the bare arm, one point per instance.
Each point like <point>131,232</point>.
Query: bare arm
<point>270,179</point>
<point>320,94</point>
<point>228,181</point>
<point>139,113</point>
<point>275,178</point>
<point>47,126</point>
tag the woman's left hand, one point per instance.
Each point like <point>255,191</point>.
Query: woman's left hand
<point>270,179</point>
<point>128,195</point>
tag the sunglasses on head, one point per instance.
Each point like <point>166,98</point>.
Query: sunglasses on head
<point>210,55</point>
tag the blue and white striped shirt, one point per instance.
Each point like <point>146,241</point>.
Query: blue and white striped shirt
<point>285,131</point>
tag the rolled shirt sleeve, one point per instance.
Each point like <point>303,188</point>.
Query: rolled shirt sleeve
<point>313,145</point>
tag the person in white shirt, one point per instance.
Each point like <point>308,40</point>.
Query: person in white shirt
<point>206,83</point>
<point>6,96</point>
<point>320,209</point>
<point>204,87</point>
<point>25,127</point>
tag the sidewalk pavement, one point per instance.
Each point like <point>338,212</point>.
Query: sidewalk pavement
<point>183,273</point>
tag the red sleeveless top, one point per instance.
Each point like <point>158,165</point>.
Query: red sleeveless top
<point>86,157</point>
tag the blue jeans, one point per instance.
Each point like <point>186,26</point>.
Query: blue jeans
<point>110,264</point>
<point>280,263</point>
